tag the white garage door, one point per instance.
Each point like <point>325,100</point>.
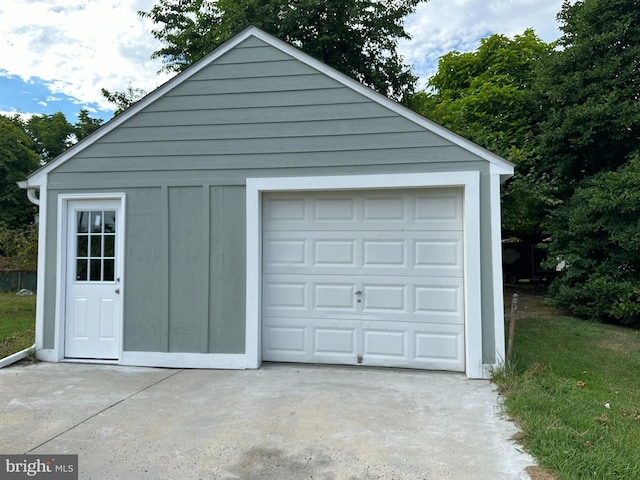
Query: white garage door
<point>372,278</point>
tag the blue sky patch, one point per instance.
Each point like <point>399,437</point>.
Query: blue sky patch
<point>34,97</point>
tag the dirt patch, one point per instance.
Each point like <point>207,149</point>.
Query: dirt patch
<point>531,302</point>
<point>622,343</point>
<point>539,473</point>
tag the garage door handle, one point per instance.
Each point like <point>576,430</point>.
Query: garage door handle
<point>117,290</point>
<point>358,292</point>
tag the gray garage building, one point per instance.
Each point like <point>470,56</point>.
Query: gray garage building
<point>262,206</point>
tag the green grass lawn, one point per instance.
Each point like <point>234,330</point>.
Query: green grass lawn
<point>564,373</point>
<point>17,323</point>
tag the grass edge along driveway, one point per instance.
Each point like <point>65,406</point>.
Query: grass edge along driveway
<point>573,388</point>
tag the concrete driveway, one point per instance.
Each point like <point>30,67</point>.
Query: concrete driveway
<point>278,422</point>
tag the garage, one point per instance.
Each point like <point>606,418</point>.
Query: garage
<point>275,210</point>
<point>364,277</point>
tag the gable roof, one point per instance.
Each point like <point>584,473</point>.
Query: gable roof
<point>498,164</point>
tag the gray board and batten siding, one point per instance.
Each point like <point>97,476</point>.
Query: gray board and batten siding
<point>182,161</point>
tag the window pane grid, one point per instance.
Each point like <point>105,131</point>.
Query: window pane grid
<point>95,246</point>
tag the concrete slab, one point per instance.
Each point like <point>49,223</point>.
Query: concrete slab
<point>278,422</point>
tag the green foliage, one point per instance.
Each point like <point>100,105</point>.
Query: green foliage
<point>25,146</point>
<point>123,100</point>
<point>591,92</point>
<point>19,248</point>
<point>589,149</point>
<point>357,37</point>
<point>85,125</point>
<point>597,233</point>
<point>486,95</point>
<point>17,159</point>
<point>51,134</point>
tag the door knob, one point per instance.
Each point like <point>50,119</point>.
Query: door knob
<point>117,290</point>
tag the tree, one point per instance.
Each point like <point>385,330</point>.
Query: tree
<point>357,37</point>
<point>85,125</point>
<point>489,97</point>
<point>589,149</point>
<point>123,100</point>
<point>597,235</point>
<point>591,90</point>
<point>51,134</point>
<point>17,159</point>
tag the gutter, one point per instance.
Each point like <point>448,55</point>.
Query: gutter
<point>31,192</point>
<point>6,361</point>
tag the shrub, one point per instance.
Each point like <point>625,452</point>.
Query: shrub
<point>597,234</point>
<point>19,248</point>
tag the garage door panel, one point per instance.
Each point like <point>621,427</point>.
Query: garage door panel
<point>438,210</point>
<point>441,255</point>
<point>441,348</point>
<point>385,298</point>
<point>396,299</point>
<point>334,252</point>
<point>292,208</point>
<point>381,344</point>
<point>340,341</point>
<point>379,253</point>
<point>384,253</point>
<point>424,209</point>
<point>289,339</point>
<point>287,252</point>
<point>328,210</point>
<point>334,297</point>
<point>436,346</point>
<point>385,208</point>
<point>286,295</point>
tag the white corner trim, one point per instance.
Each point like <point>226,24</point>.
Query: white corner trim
<point>46,355</point>
<point>184,360</point>
<point>472,278</point>
<point>469,181</point>
<point>41,275</point>
<point>496,257</point>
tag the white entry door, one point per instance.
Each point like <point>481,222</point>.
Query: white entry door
<point>93,302</point>
<point>372,278</point>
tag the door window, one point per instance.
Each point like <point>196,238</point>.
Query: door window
<point>95,245</point>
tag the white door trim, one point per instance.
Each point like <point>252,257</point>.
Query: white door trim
<point>61,264</point>
<point>469,181</point>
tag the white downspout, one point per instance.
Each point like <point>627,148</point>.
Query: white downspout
<point>6,361</point>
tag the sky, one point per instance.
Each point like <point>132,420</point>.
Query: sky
<point>57,55</point>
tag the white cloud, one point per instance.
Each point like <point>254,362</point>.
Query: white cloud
<point>440,26</point>
<point>24,116</point>
<point>79,47</point>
